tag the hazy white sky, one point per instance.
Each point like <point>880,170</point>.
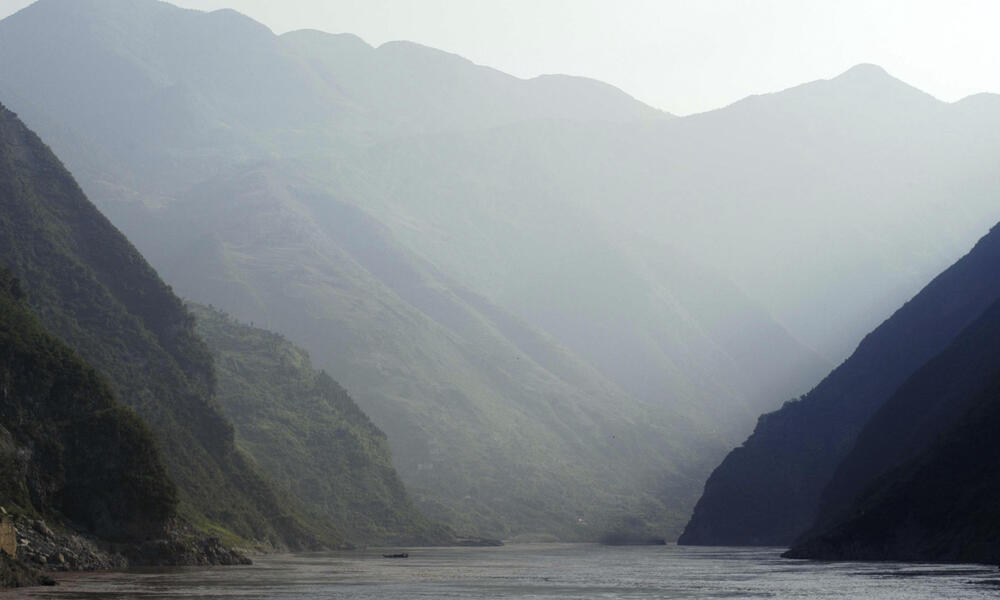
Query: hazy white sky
<point>680,55</point>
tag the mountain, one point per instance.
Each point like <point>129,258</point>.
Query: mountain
<point>798,197</point>
<point>499,423</point>
<point>309,437</point>
<point>649,315</point>
<point>412,89</point>
<point>918,484</point>
<point>924,407</point>
<point>495,428</point>
<point>768,491</point>
<point>92,289</point>
<point>794,199</point>
<point>560,305</point>
<point>69,452</point>
<point>232,91</point>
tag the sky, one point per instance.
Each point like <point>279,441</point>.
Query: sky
<point>683,56</point>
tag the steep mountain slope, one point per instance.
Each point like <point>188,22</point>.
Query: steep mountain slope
<point>921,481</point>
<point>498,425</point>
<point>309,436</point>
<point>767,492</point>
<point>926,405</point>
<point>495,428</point>
<point>648,314</point>
<point>68,451</point>
<point>940,506</point>
<point>506,274</point>
<point>93,290</point>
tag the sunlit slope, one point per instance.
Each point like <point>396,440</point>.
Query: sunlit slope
<point>309,436</point>
<point>506,274</point>
<point>507,212</point>
<point>496,424</point>
<point>493,425</point>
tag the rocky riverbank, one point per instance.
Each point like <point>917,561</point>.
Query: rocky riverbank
<point>32,548</point>
<point>40,547</point>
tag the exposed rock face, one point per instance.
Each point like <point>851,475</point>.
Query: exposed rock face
<point>46,550</point>
<point>8,537</point>
<point>15,573</point>
<point>191,551</point>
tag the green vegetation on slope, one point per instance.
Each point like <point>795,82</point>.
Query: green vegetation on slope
<point>495,428</point>
<point>68,452</point>
<point>498,426</point>
<point>515,279</point>
<point>309,436</point>
<point>93,290</point>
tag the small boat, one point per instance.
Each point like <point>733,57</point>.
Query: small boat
<point>400,555</point>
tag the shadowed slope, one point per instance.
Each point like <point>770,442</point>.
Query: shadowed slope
<point>921,481</point>
<point>767,492</point>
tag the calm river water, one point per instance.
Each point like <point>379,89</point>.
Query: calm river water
<point>537,571</point>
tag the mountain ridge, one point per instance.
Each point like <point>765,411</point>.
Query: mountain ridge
<point>490,219</point>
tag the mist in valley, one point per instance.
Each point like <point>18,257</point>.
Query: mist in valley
<point>431,302</point>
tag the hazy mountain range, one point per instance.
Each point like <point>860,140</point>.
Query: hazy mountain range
<point>560,305</point>
<point>124,422</point>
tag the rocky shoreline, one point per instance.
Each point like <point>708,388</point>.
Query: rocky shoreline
<point>36,549</point>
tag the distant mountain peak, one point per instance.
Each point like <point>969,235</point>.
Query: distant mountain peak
<point>867,76</point>
<point>344,40</point>
<point>865,71</point>
<point>982,100</point>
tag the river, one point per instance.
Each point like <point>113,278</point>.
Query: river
<point>538,572</point>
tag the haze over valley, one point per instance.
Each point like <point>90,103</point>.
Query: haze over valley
<point>345,295</point>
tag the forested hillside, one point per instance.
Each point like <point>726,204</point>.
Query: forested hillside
<point>69,452</point>
<point>309,437</point>
<point>560,305</point>
<point>91,288</point>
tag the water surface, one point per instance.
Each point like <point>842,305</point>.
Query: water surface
<point>537,571</point>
